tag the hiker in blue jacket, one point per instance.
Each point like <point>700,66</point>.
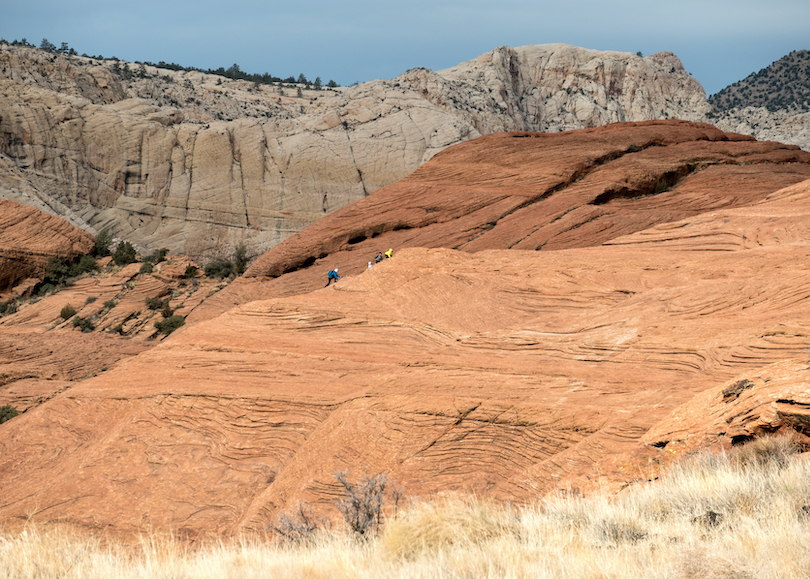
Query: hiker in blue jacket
<point>332,275</point>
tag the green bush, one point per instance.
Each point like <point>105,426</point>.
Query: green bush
<point>240,259</point>
<point>155,303</point>
<point>219,269</point>
<point>110,304</point>
<point>124,254</point>
<point>170,324</point>
<point>59,272</point>
<point>84,264</point>
<point>3,308</point>
<point>103,242</point>
<point>191,271</point>
<point>157,256</point>
<point>119,329</point>
<point>7,412</point>
<point>166,312</point>
<point>84,324</point>
<point>147,267</point>
<point>67,312</point>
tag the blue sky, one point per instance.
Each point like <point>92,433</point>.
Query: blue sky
<point>719,42</point>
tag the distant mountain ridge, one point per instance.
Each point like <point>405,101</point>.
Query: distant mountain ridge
<point>770,105</point>
<point>199,163</point>
<point>785,84</point>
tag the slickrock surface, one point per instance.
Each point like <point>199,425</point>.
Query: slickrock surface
<point>41,353</point>
<point>504,372</point>
<point>766,401</point>
<point>531,191</point>
<point>198,164</point>
<point>29,237</point>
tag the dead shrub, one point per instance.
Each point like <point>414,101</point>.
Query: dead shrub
<point>363,505</point>
<point>301,527</point>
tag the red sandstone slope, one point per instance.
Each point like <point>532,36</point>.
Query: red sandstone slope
<point>29,237</point>
<point>502,372</point>
<point>41,353</point>
<point>499,373</point>
<point>531,191</point>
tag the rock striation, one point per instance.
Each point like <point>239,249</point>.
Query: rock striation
<point>502,372</point>
<point>198,164</point>
<point>540,192</point>
<point>30,237</point>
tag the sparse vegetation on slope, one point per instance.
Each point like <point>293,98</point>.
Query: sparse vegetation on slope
<point>233,72</point>
<point>743,514</point>
<point>785,84</point>
<point>59,273</point>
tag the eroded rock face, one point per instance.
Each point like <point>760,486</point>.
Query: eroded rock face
<point>198,164</point>
<point>30,237</point>
<point>774,399</point>
<point>501,372</point>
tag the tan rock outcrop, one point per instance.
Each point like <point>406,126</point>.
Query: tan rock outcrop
<point>199,164</point>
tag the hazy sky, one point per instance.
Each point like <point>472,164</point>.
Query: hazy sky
<point>718,41</point>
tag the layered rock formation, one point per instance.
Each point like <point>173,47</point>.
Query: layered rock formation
<point>540,192</point>
<point>42,353</point>
<point>504,372</point>
<point>29,238</point>
<point>198,164</point>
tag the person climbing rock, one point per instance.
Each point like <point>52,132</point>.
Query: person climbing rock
<point>389,253</point>
<point>332,275</point>
<point>379,257</point>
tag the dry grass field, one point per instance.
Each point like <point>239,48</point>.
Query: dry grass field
<point>745,514</point>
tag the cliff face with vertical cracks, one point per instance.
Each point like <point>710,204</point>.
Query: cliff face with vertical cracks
<point>198,164</point>
<point>458,365</point>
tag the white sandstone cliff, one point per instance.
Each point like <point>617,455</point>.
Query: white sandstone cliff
<point>198,164</point>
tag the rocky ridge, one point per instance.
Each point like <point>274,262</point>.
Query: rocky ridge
<point>42,351</point>
<point>771,105</point>
<point>586,188</point>
<point>790,126</point>
<point>783,85</point>
<point>198,164</point>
